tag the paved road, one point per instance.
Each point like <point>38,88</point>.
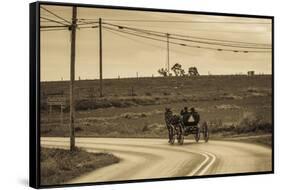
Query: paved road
<point>155,158</point>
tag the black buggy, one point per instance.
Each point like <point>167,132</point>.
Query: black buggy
<point>186,124</point>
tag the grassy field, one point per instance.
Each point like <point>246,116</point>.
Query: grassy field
<point>232,105</point>
<point>59,166</point>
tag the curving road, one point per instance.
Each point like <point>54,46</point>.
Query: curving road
<point>155,158</point>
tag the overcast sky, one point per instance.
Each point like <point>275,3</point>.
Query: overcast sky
<point>125,55</point>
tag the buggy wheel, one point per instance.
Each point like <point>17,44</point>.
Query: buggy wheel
<point>197,135</point>
<point>205,131</point>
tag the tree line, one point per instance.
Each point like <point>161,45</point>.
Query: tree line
<point>179,71</point>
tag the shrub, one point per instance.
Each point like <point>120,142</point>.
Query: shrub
<point>145,128</point>
<point>166,93</point>
<point>77,129</point>
<point>143,115</point>
<point>253,123</point>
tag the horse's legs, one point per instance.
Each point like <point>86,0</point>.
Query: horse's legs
<point>170,132</point>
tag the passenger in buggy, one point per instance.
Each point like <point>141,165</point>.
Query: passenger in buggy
<point>184,111</point>
<point>190,118</point>
<point>194,117</point>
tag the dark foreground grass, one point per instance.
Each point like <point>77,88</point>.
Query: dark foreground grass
<point>59,166</point>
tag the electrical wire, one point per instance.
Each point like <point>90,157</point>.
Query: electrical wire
<point>135,40</point>
<point>143,42</point>
<point>202,38</point>
<point>181,21</point>
<point>55,21</point>
<point>183,44</point>
<point>154,25</point>
<point>53,29</point>
<point>50,26</point>
<point>159,34</point>
<point>56,15</point>
<point>162,34</point>
<point>85,27</point>
<point>87,23</point>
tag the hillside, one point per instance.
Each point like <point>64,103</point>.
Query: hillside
<point>134,107</point>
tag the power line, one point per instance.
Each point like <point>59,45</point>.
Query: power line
<point>140,41</point>
<point>96,19</point>
<point>53,26</point>
<point>55,21</point>
<point>162,34</point>
<point>45,21</point>
<point>60,26</point>
<point>87,23</point>
<point>153,25</point>
<point>135,40</point>
<point>143,42</point>
<point>86,20</point>
<point>85,27</point>
<point>211,39</point>
<point>218,44</point>
<point>186,45</point>
<point>186,36</point>
<point>56,15</point>
<point>202,38</point>
<point>181,21</point>
<point>54,29</point>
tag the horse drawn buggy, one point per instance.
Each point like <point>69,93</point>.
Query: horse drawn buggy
<point>187,123</point>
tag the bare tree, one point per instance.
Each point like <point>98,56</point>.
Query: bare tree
<point>177,69</point>
<point>163,72</point>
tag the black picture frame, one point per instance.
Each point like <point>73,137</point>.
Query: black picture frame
<point>34,98</point>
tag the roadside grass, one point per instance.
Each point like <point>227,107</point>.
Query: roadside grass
<point>265,140</point>
<point>251,128</point>
<point>151,124</point>
<point>59,166</point>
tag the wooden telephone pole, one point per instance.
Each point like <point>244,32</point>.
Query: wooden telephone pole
<point>100,47</point>
<point>72,77</point>
<point>168,54</point>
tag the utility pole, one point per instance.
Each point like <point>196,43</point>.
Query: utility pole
<point>100,34</point>
<point>168,54</point>
<point>72,77</point>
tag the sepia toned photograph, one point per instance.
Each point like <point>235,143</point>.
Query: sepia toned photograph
<point>134,94</point>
